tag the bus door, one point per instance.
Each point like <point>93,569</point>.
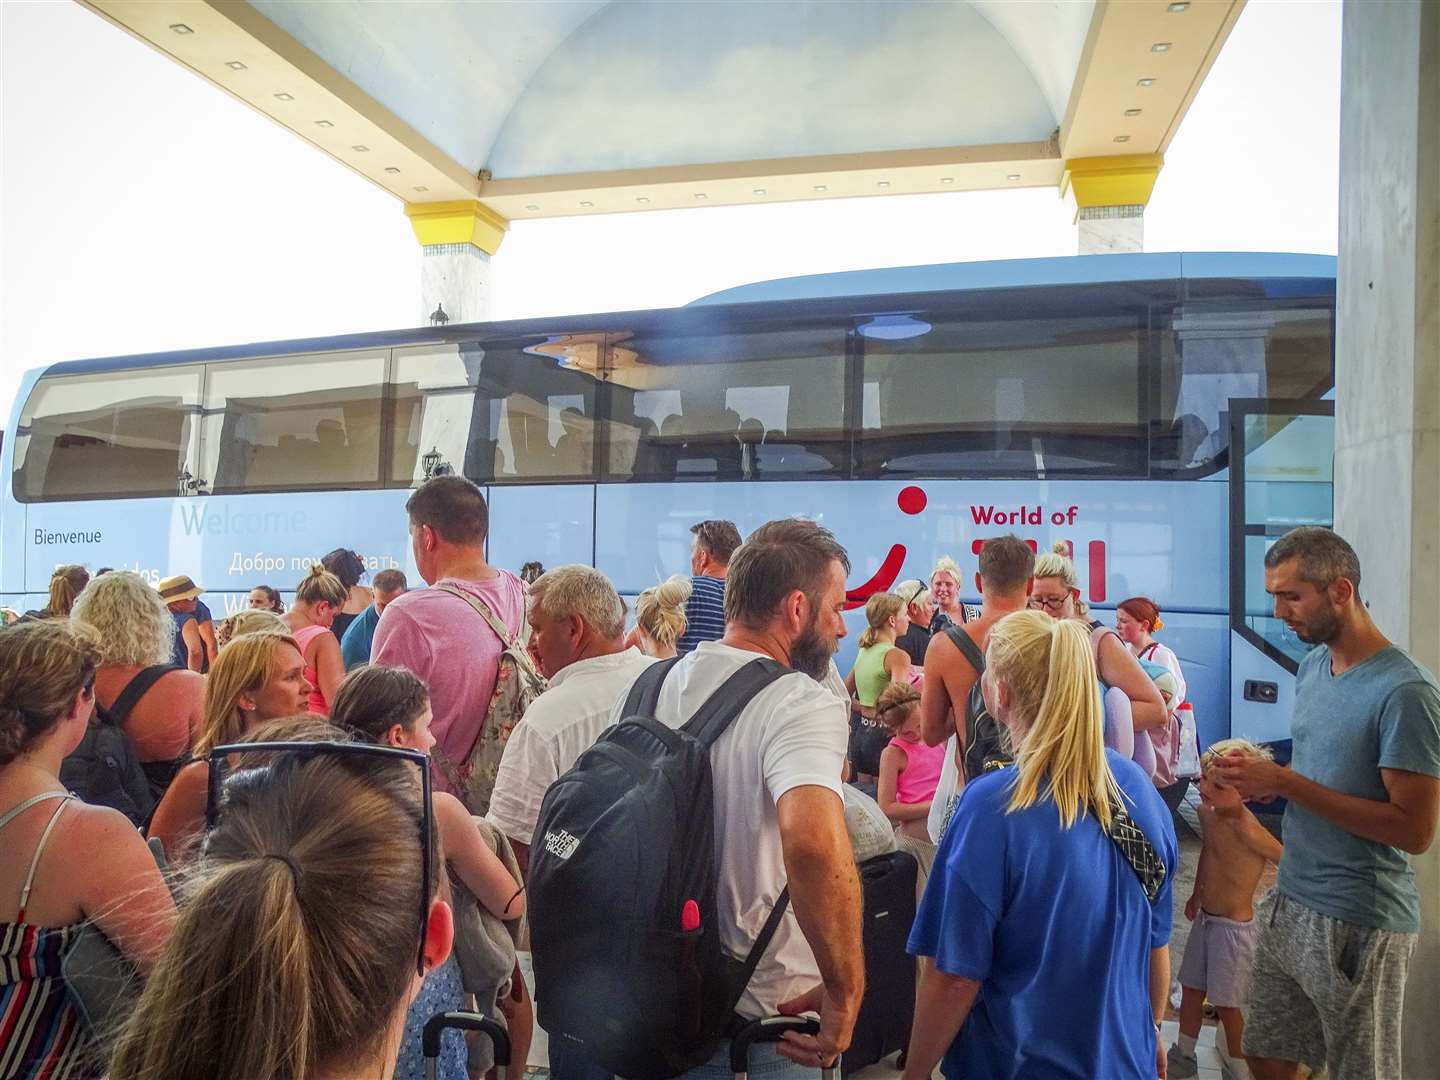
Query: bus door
<point>1281,457</point>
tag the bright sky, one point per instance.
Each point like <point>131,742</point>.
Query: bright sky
<point>141,209</point>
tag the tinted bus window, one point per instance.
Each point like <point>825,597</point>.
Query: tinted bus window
<point>1215,350</point>
<point>434,412</point>
<point>738,402</point>
<point>294,423</point>
<point>1018,397</point>
<point>123,433</point>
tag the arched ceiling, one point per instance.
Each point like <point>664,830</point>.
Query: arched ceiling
<point>555,107</point>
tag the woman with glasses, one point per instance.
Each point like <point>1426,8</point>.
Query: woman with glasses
<point>65,864</point>
<point>308,923</point>
<point>391,707</point>
<point>1047,913</point>
<point>1133,704</point>
<point>256,677</point>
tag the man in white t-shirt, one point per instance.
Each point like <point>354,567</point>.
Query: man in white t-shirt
<point>577,627</point>
<point>777,782</point>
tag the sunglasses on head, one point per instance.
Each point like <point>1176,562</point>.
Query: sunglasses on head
<point>214,804</point>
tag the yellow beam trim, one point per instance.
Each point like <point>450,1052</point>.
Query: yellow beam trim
<point>462,221</point>
<point>1123,180</point>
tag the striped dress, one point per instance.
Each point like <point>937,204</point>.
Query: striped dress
<point>40,1033</point>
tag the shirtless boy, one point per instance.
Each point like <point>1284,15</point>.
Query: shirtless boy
<point>1221,948</point>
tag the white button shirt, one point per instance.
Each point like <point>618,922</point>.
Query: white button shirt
<point>560,725</point>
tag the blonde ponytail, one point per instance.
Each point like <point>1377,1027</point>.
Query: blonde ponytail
<point>660,611</point>
<point>879,610</point>
<point>1049,667</point>
<point>319,584</point>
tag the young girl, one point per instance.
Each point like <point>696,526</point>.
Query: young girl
<point>909,773</point>
<point>391,707</point>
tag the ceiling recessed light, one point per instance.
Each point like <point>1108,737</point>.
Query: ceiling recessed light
<point>1013,176</point>
<point>1145,82</point>
<point>360,149</point>
<point>532,207</point>
<point>758,191</point>
<point>641,199</point>
<point>323,123</point>
<point>701,196</point>
<point>283,96</point>
<point>421,187</point>
<point>1122,138</point>
<point>235,65</point>
<point>821,187</point>
<point>1132,112</point>
<point>947,180</point>
<point>1160,46</point>
<point>882,183</point>
<point>392,170</point>
<point>1179,6</point>
<point>586,205</point>
<point>181,28</point>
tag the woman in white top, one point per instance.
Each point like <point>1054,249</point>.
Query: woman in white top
<point>1136,621</point>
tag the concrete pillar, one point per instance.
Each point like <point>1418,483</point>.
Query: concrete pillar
<point>457,238</point>
<point>1109,195</point>
<point>1387,432</point>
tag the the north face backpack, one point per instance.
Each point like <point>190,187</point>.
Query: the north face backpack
<point>624,923</point>
<point>104,771</point>
<point>983,744</point>
<point>517,684</point>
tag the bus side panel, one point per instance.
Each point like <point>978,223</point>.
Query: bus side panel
<point>552,524</point>
<point>1163,540</point>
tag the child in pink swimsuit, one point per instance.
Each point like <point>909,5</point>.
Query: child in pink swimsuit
<point>909,774</point>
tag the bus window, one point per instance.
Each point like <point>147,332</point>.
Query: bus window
<point>434,393</point>
<point>96,436</point>
<point>1213,351</point>
<point>294,423</point>
<point>741,402</point>
<point>1023,397</point>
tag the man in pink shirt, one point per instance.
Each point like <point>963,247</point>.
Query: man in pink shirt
<point>438,636</point>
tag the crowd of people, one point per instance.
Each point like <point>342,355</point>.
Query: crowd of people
<point>341,800</point>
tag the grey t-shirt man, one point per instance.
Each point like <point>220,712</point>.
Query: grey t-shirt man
<point>1383,713</point>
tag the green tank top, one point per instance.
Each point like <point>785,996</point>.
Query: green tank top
<point>870,675</point>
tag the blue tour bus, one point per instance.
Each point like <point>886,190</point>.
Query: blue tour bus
<point>1099,400</point>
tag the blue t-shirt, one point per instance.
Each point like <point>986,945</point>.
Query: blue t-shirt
<point>359,635</point>
<point>704,613</point>
<point>1383,713</point>
<point>1056,928</point>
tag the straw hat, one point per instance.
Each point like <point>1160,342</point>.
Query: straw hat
<point>178,587</point>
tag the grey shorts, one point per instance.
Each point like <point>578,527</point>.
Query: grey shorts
<point>1218,958</point>
<point>1326,992</point>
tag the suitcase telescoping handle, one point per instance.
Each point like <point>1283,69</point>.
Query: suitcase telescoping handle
<point>465,1021</point>
<point>768,1029</point>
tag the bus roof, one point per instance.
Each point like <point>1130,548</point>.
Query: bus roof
<point>1012,273</point>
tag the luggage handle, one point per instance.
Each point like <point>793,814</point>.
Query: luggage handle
<point>768,1029</point>
<point>465,1021</point>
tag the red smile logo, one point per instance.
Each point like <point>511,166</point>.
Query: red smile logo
<point>911,500</point>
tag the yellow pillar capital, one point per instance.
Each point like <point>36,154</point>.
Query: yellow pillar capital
<point>1123,180</point>
<point>461,221</point>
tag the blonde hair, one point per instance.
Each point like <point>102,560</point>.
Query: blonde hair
<point>660,611</point>
<point>131,622</point>
<point>879,609</point>
<point>319,584</point>
<point>1219,749</point>
<point>66,584</point>
<point>298,929</point>
<point>920,599</point>
<point>893,705</point>
<point>243,667</point>
<point>581,591</point>
<point>1049,667</point>
<point>43,665</point>
<point>947,565</point>
<point>249,621</point>
<point>1056,563</point>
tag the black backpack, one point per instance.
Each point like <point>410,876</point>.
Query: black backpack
<point>982,731</point>
<point>104,770</point>
<point>625,841</point>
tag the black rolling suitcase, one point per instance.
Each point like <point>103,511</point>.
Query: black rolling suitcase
<point>465,1021</point>
<point>887,883</point>
<point>770,1029</point>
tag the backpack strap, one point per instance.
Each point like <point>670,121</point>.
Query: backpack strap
<point>966,644</point>
<point>721,708</point>
<point>645,691</point>
<point>1137,850</point>
<point>135,689</point>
